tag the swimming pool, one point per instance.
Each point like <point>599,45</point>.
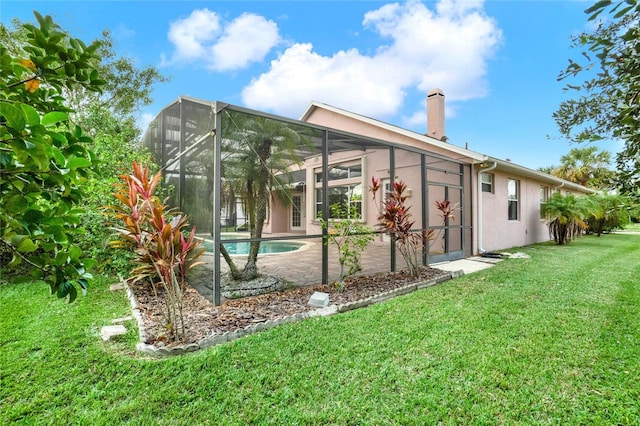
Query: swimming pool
<point>266,247</point>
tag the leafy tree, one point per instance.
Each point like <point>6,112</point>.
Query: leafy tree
<point>43,155</point>
<point>607,103</point>
<point>109,116</point>
<point>258,153</point>
<point>548,169</point>
<point>565,215</point>
<point>585,166</point>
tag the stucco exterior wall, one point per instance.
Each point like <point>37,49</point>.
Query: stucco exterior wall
<point>498,232</point>
<point>279,217</point>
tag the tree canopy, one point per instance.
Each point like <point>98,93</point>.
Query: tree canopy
<point>585,166</point>
<point>68,130</point>
<point>607,102</point>
<point>44,157</point>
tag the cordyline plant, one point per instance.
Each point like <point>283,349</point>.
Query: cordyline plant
<point>163,252</point>
<point>394,219</point>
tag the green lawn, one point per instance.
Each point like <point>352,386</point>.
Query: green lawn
<point>554,339</point>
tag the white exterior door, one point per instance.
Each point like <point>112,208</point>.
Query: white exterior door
<point>297,218</point>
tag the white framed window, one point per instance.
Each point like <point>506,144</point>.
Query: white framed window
<point>345,190</point>
<point>544,196</point>
<point>513,199</point>
<point>487,182</point>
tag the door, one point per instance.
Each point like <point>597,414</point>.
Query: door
<point>297,213</point>
<point>448,242</point>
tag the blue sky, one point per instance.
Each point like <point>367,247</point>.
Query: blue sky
<point>496,61</point>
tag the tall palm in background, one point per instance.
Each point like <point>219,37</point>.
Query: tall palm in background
<point>585,166</point>
<point>257,155</point>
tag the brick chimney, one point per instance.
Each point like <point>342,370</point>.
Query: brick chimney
<point>435,114</point>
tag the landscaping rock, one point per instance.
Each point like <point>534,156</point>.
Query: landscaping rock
<point>116,287</point>
<point>121,320</point>
<point>319,299</point>
<point>109,331</point>
<point>232,289</point>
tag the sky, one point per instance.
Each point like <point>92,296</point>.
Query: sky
<point>496,61</point>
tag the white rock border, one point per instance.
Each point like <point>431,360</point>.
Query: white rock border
<point>228,336</point>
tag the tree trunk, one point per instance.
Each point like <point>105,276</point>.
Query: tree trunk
<point>261,187</point>
<point>233,269</point>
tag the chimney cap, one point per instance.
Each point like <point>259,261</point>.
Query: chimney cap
<point>434,92</point>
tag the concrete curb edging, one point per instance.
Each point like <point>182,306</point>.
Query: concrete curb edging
<point>228,336</point>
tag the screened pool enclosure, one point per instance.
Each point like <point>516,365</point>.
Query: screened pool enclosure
<point>256,187</point>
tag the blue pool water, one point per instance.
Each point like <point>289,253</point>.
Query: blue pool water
<point>266,247</point>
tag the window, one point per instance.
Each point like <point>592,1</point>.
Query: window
<point>487,182</point>
<point>345,190</point>
<point>340,171</point>
<point>544,196</point>
<point>345,201</point>
<point>513,193</point>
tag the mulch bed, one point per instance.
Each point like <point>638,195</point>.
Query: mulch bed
<point>204,319</point>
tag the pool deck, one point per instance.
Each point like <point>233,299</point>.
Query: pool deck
<point>304,267</point>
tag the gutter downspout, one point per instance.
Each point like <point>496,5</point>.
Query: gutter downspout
<point>480,172</point>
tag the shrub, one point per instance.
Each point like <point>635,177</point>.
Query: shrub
<point>163,253</point>
<point>607,212</point>
<point>44,160</point>
<point>394,219</point>
<point>350,237</point>
<point>565,215</point>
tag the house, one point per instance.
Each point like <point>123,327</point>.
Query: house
<point>505,198</point>
<point>321,166</point>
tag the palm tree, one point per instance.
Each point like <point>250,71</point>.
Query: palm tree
<point>587,167</point>
<point>258,153</point>
<point>565,216</point>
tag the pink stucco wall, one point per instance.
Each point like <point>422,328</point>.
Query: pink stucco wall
<point>498,232</point>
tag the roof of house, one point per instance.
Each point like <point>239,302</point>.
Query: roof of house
<point>456,151</point>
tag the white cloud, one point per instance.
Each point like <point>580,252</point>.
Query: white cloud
<point>246,39</point>
<point>447,48</point>
<point>190,35</point>
<point>221,46</point>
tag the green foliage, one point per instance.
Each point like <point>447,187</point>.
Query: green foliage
<point>162,251</point>
<point>395,219</point>
<point>586,167</point>
<point>606,103</point>
<point>608,212</point>
<point>566,215</point>
<point>109,117</point>
<point>258,153</point>
<point>350,237</point>
<point>44,157</point>
<point>116,150</point>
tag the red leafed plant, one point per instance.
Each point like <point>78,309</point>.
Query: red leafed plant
<point>394,219</point>
<point>163,252</point>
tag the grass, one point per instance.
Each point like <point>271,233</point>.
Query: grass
<point>549,340</point>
